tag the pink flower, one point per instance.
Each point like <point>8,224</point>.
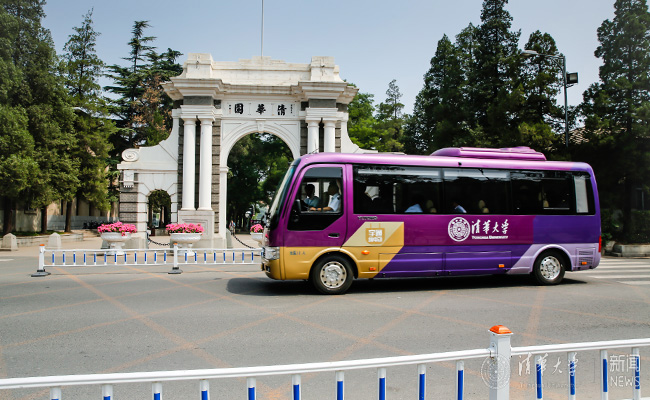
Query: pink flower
<point>257,228</point>
<point>117,227</point>
<point>184,228</point>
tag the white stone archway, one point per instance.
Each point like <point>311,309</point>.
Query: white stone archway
<point>218,103</point>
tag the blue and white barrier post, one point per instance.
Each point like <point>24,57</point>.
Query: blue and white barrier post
<point>572,375</point>
<point>156,389</point>
<point>107,392</point>
<point>637,373</point>
<point>55,393</point>
<point>340,379</point>
<point>381,374</point>
<point>175,269</point>
<point>538,378</point>
<point>295,382</point>
<point>204,386</point>
<point>422,379</point>
<point>604,393</point>
<point>250,383</point>
<point>500,352</point>
<point>41,263</point>
<point>460,380</point>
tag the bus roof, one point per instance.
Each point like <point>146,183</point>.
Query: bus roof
<point>508,153</point>
<point>469,159</point>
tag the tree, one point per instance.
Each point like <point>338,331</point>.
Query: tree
<point>494,93</point>
<point>389,126</point>
<point>143,109</point>
<point>377,128</point>
<point>257,164</point>
<point>33,103</point>
<point>440,111</point>
<point>129,86</point>
<point>362,120</point>
<point>92,127</point>
<point>541,78</point>
<point>617,109</point>
<point>153,108</point>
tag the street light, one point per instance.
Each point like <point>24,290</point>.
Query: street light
<point>570,78</point>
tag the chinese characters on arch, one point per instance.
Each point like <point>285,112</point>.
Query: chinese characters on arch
<point>256,109</point>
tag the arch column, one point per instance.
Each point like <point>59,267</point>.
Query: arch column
<point>223,191</point>
<point>312,136</point>
<point>329,138</point>
<point>205,166</point>
<point>189,160</point>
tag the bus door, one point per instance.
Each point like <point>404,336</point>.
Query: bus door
<point>394,218</point>
<point>316,220</point>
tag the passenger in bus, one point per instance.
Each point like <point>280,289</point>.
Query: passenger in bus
<point>311,200</point>
<point>335,199</point>
<point>458,209</point>
<point>482,207</point>
<point>416,207</point>
<point>430,207</point>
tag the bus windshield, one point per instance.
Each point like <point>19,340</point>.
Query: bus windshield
<point>280,194</point>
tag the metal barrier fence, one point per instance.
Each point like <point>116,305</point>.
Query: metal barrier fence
<point>141,257</point>
<point>497,374</point>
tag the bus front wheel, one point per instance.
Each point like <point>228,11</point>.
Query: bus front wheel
<point>332,275</point>
<point>549,268</point>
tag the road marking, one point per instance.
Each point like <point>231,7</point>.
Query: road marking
<point>7,259</point>
<point>622,276</point>
<point>635,282</point>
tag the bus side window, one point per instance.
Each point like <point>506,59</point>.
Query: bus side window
<point>527,193</point>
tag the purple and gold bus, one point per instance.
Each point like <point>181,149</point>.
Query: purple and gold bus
<point>460,211</point>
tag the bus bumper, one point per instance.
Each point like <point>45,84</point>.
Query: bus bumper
<point>272,269</point>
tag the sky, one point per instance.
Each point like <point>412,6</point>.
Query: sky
<point>373,42</point>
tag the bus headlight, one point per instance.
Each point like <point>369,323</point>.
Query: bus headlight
<point>271,253</point>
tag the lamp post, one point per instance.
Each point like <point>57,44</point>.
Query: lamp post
<point>574,79</point>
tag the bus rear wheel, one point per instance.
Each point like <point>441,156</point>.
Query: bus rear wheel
<point>549,268</point>
<point>332,275</point>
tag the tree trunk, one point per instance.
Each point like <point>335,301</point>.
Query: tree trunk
<point>8,208</point>
<point>44,220</point>
<point>68,216</point>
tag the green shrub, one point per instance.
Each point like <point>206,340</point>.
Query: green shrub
<point>640,229</point>
<point>609,226</point>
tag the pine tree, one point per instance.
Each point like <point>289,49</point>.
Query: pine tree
<point>496,68</point>
<point>129,86</point>
<point>143,108</point>
<point>541,79</point>
<point>389,126</point>
<point>92,126</point>
<point>617,109</point>
<point>441,105</point>
<point>33,104</point>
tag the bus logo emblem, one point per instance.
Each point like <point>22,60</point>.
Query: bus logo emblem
<point>459,229</point>
<point>375,235</point>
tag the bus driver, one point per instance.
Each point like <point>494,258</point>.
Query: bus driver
<point>335,199</point>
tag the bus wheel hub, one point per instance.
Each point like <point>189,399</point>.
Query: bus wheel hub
<point>333,275</point>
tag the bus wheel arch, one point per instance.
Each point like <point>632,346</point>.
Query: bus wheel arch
<point>333,273</point>
<point>550,266</point>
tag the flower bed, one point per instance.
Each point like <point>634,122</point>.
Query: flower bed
<point>117,227</point>
<point>184,228</point>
